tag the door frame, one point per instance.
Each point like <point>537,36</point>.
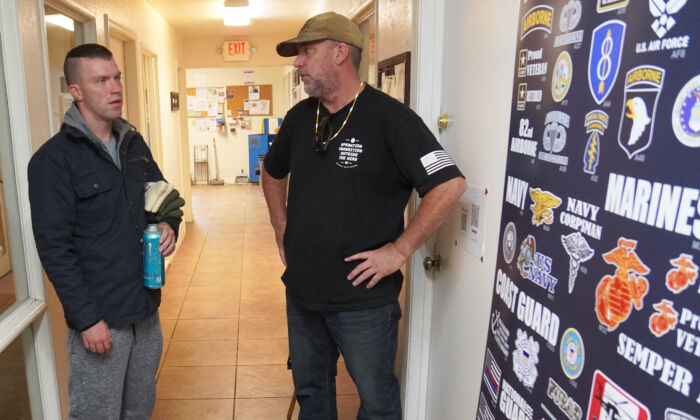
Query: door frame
<point>426,96</point>
<point>131,71</point>
<point>152,103</point>
<point>31,314</point>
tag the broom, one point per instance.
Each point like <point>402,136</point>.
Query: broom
<point>216,180</point>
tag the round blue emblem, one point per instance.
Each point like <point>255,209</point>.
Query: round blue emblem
<point>571,353</point>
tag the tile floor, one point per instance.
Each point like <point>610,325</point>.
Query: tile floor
<point>223,317</point>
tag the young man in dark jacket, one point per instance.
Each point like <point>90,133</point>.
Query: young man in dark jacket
<point>86,189</point>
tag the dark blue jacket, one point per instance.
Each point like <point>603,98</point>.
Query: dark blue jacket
<point>88,217</point>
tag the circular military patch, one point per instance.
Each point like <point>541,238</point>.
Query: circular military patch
<point>561,78</point>
<point>509,241</point>
<point>571,353</point>
<point>686,113</point>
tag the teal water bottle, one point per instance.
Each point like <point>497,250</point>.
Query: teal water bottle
<point>153,260</point>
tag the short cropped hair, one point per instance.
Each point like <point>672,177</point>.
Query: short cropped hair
<point>70,65</point>
<point>355,56</point>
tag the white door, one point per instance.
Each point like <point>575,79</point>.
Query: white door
<point>464,52</point>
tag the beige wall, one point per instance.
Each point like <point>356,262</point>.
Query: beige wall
<point>394,28</point>
<point>393,37</point>
<point>204,52</point>
<point>233,148</point>
<point>394,23</point>
<point>152,33</point>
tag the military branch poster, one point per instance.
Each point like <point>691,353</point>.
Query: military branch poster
<point>596,302</point>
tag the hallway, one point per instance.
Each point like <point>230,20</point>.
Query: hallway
<point>223,317</point>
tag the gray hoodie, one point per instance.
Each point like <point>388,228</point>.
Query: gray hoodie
<point>120,127</point>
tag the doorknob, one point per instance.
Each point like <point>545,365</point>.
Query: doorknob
<point>444,121</point>
<point>432,263</point>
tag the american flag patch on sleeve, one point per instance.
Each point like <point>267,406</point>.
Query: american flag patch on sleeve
<point>434,161</point>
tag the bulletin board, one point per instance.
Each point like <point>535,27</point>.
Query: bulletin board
<point>240,94</point>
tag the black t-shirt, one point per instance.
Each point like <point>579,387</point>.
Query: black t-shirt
<point>351,199</point>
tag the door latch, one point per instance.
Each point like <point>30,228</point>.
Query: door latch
<point>432,263</point>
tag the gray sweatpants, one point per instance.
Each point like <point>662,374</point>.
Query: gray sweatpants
<point>120,384</point>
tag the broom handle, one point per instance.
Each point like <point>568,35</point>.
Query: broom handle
<point>216,158</point>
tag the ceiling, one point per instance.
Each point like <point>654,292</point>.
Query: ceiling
<point>203,18</point>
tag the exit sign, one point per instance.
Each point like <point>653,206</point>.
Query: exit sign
<point>236,51</point>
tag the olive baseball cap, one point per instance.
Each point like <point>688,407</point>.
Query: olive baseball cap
<point>327,25</point>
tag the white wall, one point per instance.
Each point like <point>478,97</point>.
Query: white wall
<point>233,148</point>
<point>478,68</point>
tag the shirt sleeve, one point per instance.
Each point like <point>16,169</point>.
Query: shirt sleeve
<point>419,156</point>
<point>276,161</point>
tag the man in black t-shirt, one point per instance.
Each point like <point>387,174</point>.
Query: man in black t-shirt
<point>354,155</point>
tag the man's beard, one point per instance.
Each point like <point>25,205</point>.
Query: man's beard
<point>319,88</point>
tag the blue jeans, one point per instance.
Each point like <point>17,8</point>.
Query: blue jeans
<point>367,339</point>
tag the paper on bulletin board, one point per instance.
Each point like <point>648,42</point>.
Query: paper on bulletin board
<point>191,102</point>
<point>200,124</point>
<point>201,94</point>
<point>201,105</point>
<point>211,124</point>
<point>253,92</point>
<point>212,108</point>
<point>212,95</point>
<point>473,221</point>
<point>259,107</point>
<point>220,95</point>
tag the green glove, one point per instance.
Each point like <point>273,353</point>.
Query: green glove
<point>152,218</point>
<point>168,198</point>
<point>167,207</point>
<point>173,214</point>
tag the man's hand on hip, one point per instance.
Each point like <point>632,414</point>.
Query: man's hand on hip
<point>377,264</point>
<point>97,338</point>
<point>167,239</point>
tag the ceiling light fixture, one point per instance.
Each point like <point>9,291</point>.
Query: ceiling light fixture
<point>60,20</point>
<point>236,13</point>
